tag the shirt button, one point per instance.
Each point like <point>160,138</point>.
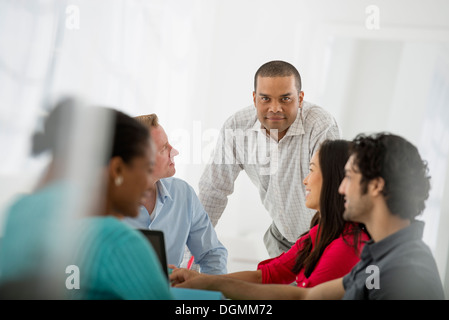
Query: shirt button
<point>303,284</point>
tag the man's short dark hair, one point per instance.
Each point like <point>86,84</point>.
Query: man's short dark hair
<point>278,68</point>
<point>398,162</point>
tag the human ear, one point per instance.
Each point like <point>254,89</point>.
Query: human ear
<point>377,186</point>
<point>116,166</point>
<point>301,98</point>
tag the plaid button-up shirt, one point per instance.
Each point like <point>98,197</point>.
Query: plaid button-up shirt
<point>277,169</point>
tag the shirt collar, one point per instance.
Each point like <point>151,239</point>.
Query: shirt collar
<point>379,249</point>
<point>295,129</point>
<point>162,190</point>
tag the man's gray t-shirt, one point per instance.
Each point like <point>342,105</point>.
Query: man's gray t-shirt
<point>399,267</point>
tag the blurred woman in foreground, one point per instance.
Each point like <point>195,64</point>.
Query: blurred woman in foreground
<point>99,256</point>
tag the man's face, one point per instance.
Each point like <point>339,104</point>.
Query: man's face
<point>357,205</point>
<point>165,153</point>
<point>277,101</point>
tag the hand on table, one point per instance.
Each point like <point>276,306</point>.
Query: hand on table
<point>181,275</point>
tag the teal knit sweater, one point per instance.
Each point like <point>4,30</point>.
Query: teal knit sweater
<point>116,262</point>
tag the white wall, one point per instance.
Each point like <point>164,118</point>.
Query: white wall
<point>192,62</point>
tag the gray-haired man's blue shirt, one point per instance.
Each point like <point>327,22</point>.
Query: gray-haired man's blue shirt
<point>180,215</point>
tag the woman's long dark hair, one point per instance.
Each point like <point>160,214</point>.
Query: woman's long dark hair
<point>333,155</point>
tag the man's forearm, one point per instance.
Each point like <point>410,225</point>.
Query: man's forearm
<point>242,290</point>
<point>249,276</point>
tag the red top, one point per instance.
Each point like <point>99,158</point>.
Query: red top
<point>335,262</point>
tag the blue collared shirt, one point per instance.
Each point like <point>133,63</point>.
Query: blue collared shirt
<point>181,216</point>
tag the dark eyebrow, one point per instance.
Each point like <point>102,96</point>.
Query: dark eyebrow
<point>282,95</point>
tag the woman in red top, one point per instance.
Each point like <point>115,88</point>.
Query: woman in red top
<point>331,247</point>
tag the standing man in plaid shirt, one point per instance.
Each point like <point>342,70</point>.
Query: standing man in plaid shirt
<point>273,141</point>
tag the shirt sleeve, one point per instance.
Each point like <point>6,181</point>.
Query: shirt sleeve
<point>217,181</point>
<point>203,242</point>
<point>279,269</point>
<point>324,128</point>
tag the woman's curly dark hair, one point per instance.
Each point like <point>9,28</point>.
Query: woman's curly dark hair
<point>398,162</point>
